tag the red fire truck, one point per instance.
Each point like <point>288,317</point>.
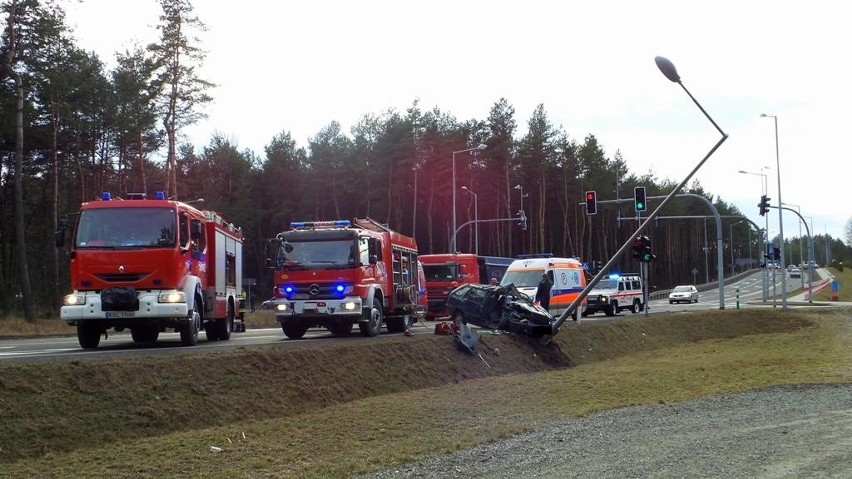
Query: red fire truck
<point>151,264</point>
<point>335,274</point>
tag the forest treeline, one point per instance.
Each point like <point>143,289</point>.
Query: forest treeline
<point>71,128</point>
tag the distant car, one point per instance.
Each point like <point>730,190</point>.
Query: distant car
<point>684,294</point>
<point>795,273</point>
<point>498,307</point>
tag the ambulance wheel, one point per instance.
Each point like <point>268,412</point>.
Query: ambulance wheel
<point>373,324</point>
<point>610,310</point>
<point>88,334</point>
<point>294,329</point>
<point>636,307</point>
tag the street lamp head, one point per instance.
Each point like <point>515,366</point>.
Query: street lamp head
<point>668,69</point>
<point>517,187</point>
<point>465,188</point>
<point>481,146</point>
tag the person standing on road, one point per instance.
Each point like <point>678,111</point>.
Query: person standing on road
<point>542,294</point>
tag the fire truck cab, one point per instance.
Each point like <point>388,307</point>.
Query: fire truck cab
<point>151,264</point>
<point>446,271</point>
<point>335,274</point>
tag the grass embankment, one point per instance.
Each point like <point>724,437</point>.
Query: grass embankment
<point>344,410</point>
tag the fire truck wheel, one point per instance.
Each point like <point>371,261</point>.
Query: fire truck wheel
<point>189,330</point>
<point>373,324</point>
<point>294,329</point>
<point>226,325</point>
<point>211,331</point>
<point>340,329</point>
<point>89,334</point>
<point>144,334</point>
<point>398,324</point>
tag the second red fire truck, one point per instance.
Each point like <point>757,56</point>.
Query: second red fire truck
<point>336,274</point>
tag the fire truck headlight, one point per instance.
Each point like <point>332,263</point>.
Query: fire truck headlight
<point>74,299</point>
<point>350,306</point>
<point>281,307</point>
<point>172,297</point>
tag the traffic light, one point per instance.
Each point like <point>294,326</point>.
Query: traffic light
<point>638,247</point>
<point>764,205</point>
<point>523,219</point>
<point>591,202</point>
<point>639,198</point>
<point>647,255</point>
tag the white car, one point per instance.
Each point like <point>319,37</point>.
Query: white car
<point>684,293</point>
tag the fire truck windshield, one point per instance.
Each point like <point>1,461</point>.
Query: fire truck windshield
<point>440,272</point>
<point>305,253</point>
<point>126,227</point>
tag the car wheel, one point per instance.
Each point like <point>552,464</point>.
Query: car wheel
<point>671,302</point>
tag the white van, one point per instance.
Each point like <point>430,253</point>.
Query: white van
<point>616,293</point>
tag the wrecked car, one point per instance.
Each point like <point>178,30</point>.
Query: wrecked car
<point>498,307</point>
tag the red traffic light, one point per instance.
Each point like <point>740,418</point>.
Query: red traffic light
<point>591,202</point>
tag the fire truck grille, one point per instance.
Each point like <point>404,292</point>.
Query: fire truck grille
<point>120,278</point>
<point>436,291</point>
<point>315,291</point>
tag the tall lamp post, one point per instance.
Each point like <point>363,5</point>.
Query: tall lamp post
<point>475,218</point>
<point>479,147</point>
<point>780,214</point>
<point>731,236</point>
<point>521,188</point>
<point>801,247</point>
<point>764,189</point>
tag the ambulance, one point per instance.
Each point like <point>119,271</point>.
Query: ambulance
<point>566,274</point>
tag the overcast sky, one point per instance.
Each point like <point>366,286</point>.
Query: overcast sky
<point>298,65</point>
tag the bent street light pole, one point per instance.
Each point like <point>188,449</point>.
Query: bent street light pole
<point>780,216</point>
<point>479,147</point>
<point>670,72</point>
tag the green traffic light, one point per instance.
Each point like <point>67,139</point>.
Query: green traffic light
<point>639,205</point>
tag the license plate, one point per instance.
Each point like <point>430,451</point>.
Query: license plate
<point>301,296</point>
<point>119,314</point>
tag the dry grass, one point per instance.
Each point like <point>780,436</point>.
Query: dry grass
<point>344,410</point>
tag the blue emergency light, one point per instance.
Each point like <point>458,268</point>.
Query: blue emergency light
<point>160,195</point>
<point>105,196</point>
